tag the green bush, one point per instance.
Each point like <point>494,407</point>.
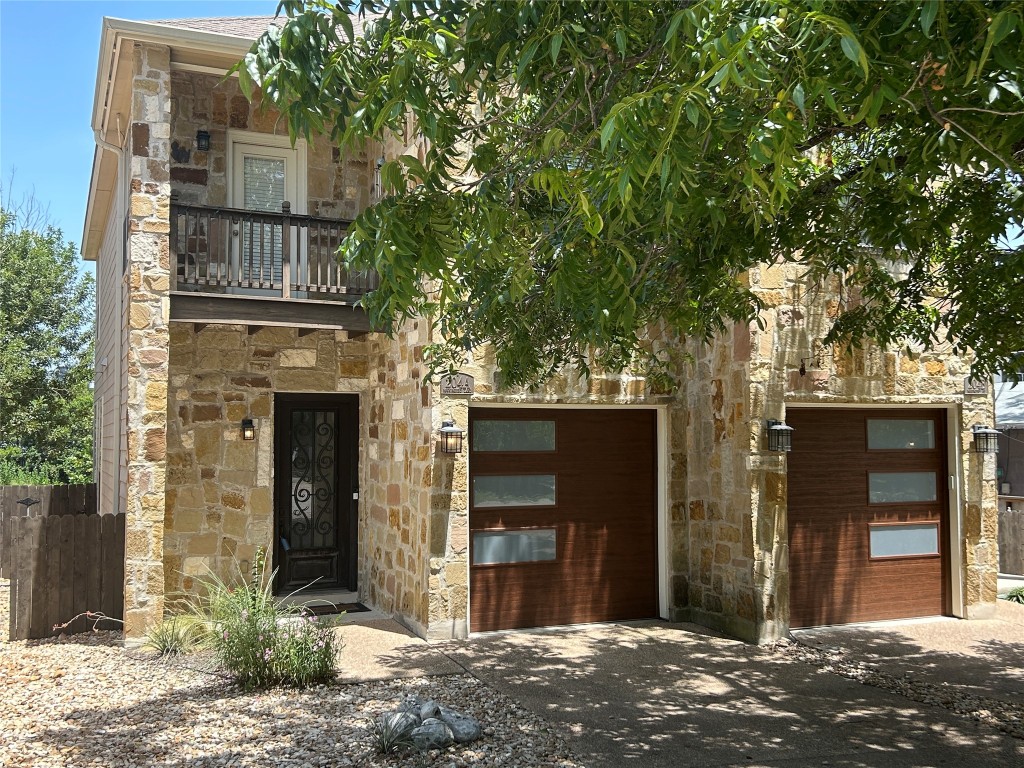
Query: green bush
<point>262,643</point>
<point>177,635</point>
<point>1016,595</point>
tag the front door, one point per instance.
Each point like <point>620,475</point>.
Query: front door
<point>316,441</point>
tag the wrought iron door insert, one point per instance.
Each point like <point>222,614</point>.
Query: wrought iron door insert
<point>316,439</point>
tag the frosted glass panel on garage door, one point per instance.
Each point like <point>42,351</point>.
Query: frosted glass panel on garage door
<point>905,540</point>
<point>514,491</point>
<point>490,547</point>
<point>517,435</point>
<point>901,434</point>
<point>901,487</point>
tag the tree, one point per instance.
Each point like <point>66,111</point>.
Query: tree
<point>598,169</point>
<point>46,316</point>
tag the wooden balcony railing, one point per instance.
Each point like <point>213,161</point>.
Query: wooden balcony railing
<point>230,251</point>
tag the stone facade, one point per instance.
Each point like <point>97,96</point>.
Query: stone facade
<point>220,487</point>
<point>449,494</point>
<point>725,494</point>
<point>337,187</point>
<point>400,463</point>
<point>200,499</point>
<point>149,223</point>
<point>733,560</point>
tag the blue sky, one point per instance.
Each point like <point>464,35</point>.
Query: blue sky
<point>48,57</point>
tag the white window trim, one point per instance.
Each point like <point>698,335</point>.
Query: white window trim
<point>274,141</point>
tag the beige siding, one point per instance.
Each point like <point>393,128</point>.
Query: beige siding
<point>111,371</point>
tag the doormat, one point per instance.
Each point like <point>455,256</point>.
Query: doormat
<point>328,609</point>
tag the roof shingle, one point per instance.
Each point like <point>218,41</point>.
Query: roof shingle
<point>249,27</point>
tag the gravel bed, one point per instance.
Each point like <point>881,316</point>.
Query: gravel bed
<point>1004,715</point>
<point>85,700</point>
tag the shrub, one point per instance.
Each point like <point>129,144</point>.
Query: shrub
<point>1016,595</point>
<point>262,643</point>
<point>390,733</point>
<point>177,635</point>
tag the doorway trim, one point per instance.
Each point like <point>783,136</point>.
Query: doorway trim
<point>271,141</point>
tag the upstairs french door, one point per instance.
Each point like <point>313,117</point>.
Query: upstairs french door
<point>263,178</point>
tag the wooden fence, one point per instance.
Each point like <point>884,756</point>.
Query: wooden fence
<point>50,500</point>
<point>1011,541</point>
<point>62,566</point>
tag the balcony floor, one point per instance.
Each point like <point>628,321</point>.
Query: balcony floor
<point>192,307</point>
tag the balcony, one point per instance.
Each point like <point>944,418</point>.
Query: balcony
<point>251,267</point>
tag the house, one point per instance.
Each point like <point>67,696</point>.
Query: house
<point>243,402</point>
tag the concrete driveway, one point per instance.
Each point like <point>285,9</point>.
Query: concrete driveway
<point>657,694</point>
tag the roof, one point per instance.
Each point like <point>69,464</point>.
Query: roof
<point>249,27</point>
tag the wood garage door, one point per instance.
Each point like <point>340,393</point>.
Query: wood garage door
<point>563,517</point>
<point>868,515</point>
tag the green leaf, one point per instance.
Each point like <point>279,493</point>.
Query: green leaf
<point>799,97</point>
<point>854,52</point>
<point>673,27</point>
<point>692,113</point>
<point>928,12</point>
<point>556,46</point>
<point>620,42</point>
<point>346,24</point>
<point>525,58</point>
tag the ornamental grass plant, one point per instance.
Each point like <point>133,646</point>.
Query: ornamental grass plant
<point>260,642</point>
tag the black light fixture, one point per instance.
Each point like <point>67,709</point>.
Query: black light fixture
<point>248,429</point>
<point>986,440</point>
<point>780,436</point>
<point>451,437</point>
<point>203,141</point>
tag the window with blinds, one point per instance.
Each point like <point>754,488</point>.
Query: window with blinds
<point>263,189</point>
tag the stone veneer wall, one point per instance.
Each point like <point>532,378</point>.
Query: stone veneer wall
<point>220,487</point>
<point>449,491</point>
<point>147,338</point>
<point>399,468</point>
<point>336,187</point>
<point>725,575</point>
<point>726,494</point>
<point>797,317</point>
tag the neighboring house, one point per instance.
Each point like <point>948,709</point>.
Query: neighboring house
<point>582,500</point>
<point>1009,392</point>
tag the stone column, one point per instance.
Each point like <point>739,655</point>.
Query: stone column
<point>148,338</point>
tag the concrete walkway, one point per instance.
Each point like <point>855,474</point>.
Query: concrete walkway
<point>657,694</point>
<point>379,648</point>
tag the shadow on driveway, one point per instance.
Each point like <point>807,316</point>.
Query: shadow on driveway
<point>657,694</point>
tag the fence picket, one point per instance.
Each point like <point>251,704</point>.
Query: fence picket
<point>1011,542</point>
<point>66,599</point>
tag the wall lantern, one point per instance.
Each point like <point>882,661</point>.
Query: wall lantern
<point>780,436</point>
<point>248,430</point>
<point>451,438</point>
<point>203,141</point>
<point>986,440</point>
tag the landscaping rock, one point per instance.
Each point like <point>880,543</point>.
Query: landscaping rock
<point>464,728</point>
<point>432,734</point>
<point>428,709</point>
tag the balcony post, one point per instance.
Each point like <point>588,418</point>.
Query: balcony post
<point>173,249</point>
<point>286,256</point>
